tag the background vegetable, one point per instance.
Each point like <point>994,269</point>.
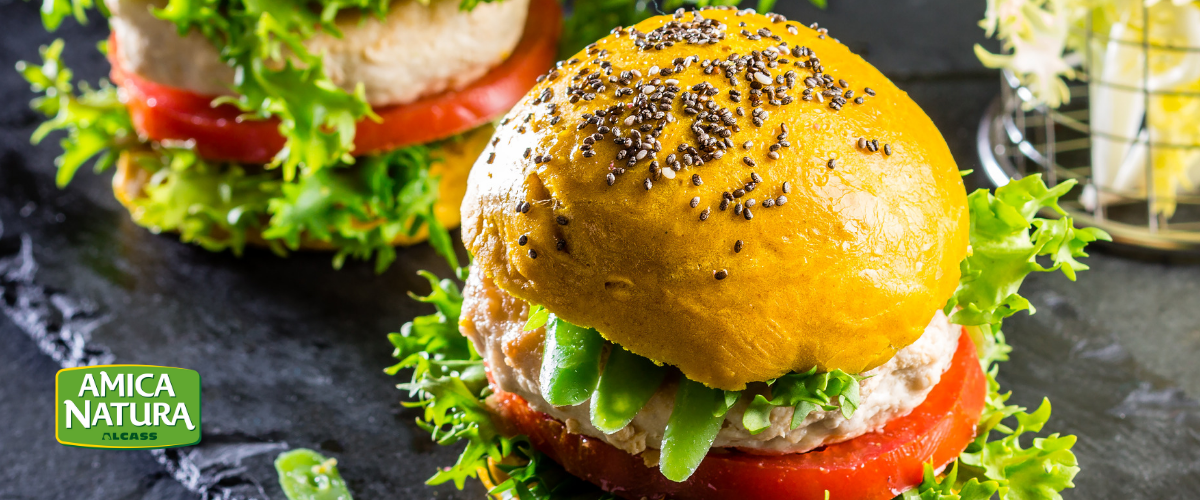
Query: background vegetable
<point>1046,42</point>
<point>307,475</point>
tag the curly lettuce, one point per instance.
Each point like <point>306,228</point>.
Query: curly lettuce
<point>356,209</point>
<point>1003,251</point>
<point>96,124</point>
<point>1007,459</point>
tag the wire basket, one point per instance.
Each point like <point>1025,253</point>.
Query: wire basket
<point>1017,138</point>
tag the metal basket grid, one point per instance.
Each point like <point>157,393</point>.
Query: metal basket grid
<point>1013,142</point>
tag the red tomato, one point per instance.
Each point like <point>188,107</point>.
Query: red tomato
<point>876,466</point>
<point>163,113</point>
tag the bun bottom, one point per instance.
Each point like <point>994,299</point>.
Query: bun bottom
<point>455,158</point>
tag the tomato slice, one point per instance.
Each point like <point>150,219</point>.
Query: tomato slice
<point>875,466</point>
<point>164,113</point>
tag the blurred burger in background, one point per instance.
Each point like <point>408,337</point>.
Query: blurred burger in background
<point>345,126</point>
<point>718,255</point>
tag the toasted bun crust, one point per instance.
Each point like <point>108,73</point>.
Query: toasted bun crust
<point>456,160</point>
<point>843,275</point>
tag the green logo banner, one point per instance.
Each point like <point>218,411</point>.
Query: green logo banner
<point>127,406</point>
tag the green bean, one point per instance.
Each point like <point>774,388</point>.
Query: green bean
<point>626,385</point>
<point>570,363</point>
<point>691,429</point>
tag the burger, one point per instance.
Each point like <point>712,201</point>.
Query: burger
<point>343,126</point>
<point>717,255</point>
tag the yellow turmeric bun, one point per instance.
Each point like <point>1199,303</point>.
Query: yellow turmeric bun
<point>453,162</point>
<point>677,188</point>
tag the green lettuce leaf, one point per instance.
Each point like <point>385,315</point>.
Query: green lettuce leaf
<point>448,381</point>
<point>214,206</point>
<point>804,392</point>
<point>96,124</point>
<point>1003,251</point>
<point>947,488</point>
<point>307,475</point>
<point>996,462</point>
<point>55,11</point>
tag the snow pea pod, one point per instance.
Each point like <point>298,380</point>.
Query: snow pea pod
<point>307,475</point>
<point>692,428</point>
<point>626,385</point>
<point>570,363</point>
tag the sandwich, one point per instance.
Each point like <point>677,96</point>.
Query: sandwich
<point>341,126</point>
<point>718,255</point>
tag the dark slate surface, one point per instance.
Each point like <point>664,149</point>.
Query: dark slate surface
<point>291,351</point>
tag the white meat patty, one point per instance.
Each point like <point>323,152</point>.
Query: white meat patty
<point>418,50</point>
<point>493,320</point>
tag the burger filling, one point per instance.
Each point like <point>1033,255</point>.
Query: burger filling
<point>414,50</point>
<point>319,71</point>
<point>496,324</point>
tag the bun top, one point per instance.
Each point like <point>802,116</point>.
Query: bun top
<point>678,187</point>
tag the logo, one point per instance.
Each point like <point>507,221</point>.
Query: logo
<point>127,406</point>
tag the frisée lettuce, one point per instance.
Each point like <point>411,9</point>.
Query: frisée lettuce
<point>357,210</point>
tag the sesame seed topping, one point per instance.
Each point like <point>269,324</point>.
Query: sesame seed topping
<point>695,202</point>
<point>737,246</point>
<point>532,253</point>
<point>562,220</point>
<point>887,149</point>
<point>781,200</point>
<point>696,179</point>
<point>704,214</point>
<point>832,163</point>
<point>746,213</point>
<point>787,187</point>
<point>720,275</point>
<point>523,240</point>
